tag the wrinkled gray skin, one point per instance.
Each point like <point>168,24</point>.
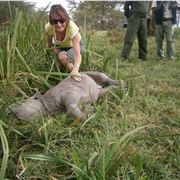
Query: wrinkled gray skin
<point>69,95</point>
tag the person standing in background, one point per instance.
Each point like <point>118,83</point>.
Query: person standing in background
<point>136,13</point>
<point>64,39</point>
<point>165,17</point>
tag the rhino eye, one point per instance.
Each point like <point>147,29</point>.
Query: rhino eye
<point>35,98</point>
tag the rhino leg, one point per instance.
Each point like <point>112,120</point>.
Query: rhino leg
<point>88,108</point>
<point>102,91</point>
<point>124,88</point>
<point>75,111</point>
<point>101,78</point>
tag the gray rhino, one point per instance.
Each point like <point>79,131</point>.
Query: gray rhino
<point>69,95</point>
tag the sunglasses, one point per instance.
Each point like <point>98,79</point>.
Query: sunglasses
<point>55,21</point>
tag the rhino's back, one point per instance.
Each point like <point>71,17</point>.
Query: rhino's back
<point>71,90</point>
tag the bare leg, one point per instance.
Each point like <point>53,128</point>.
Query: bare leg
<point>63,58</point>
<point>67,65</point>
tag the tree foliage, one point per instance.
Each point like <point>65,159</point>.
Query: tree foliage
<point>99,15</point>
<point>8,9</point>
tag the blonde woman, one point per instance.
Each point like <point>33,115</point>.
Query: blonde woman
<point>64,39</point>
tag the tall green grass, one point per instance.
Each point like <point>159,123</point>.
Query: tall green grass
<point>5,147</point>
<point>134,135</point>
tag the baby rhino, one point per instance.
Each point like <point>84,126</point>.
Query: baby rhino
<point>69,95</point>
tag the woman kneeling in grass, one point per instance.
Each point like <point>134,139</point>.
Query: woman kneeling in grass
<point>63,34</point>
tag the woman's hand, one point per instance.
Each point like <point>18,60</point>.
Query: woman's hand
<point>62,57</point>
<point>76,74</point>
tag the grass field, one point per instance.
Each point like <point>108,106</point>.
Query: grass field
<point>130,136</point>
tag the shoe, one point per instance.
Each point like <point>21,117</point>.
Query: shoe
<point>161,58</point>
<point>172,58</point>
<point>143,58</point>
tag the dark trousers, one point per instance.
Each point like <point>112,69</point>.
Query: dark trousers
<point>137,27</point>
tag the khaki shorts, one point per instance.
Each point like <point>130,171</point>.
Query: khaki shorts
<point>70,51</point>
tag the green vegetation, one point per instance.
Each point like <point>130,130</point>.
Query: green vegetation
<point>130,136</point>
<point>99,15</point>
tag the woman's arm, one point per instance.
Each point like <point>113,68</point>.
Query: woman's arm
<point>77,60</point>
<point>77,53</point>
